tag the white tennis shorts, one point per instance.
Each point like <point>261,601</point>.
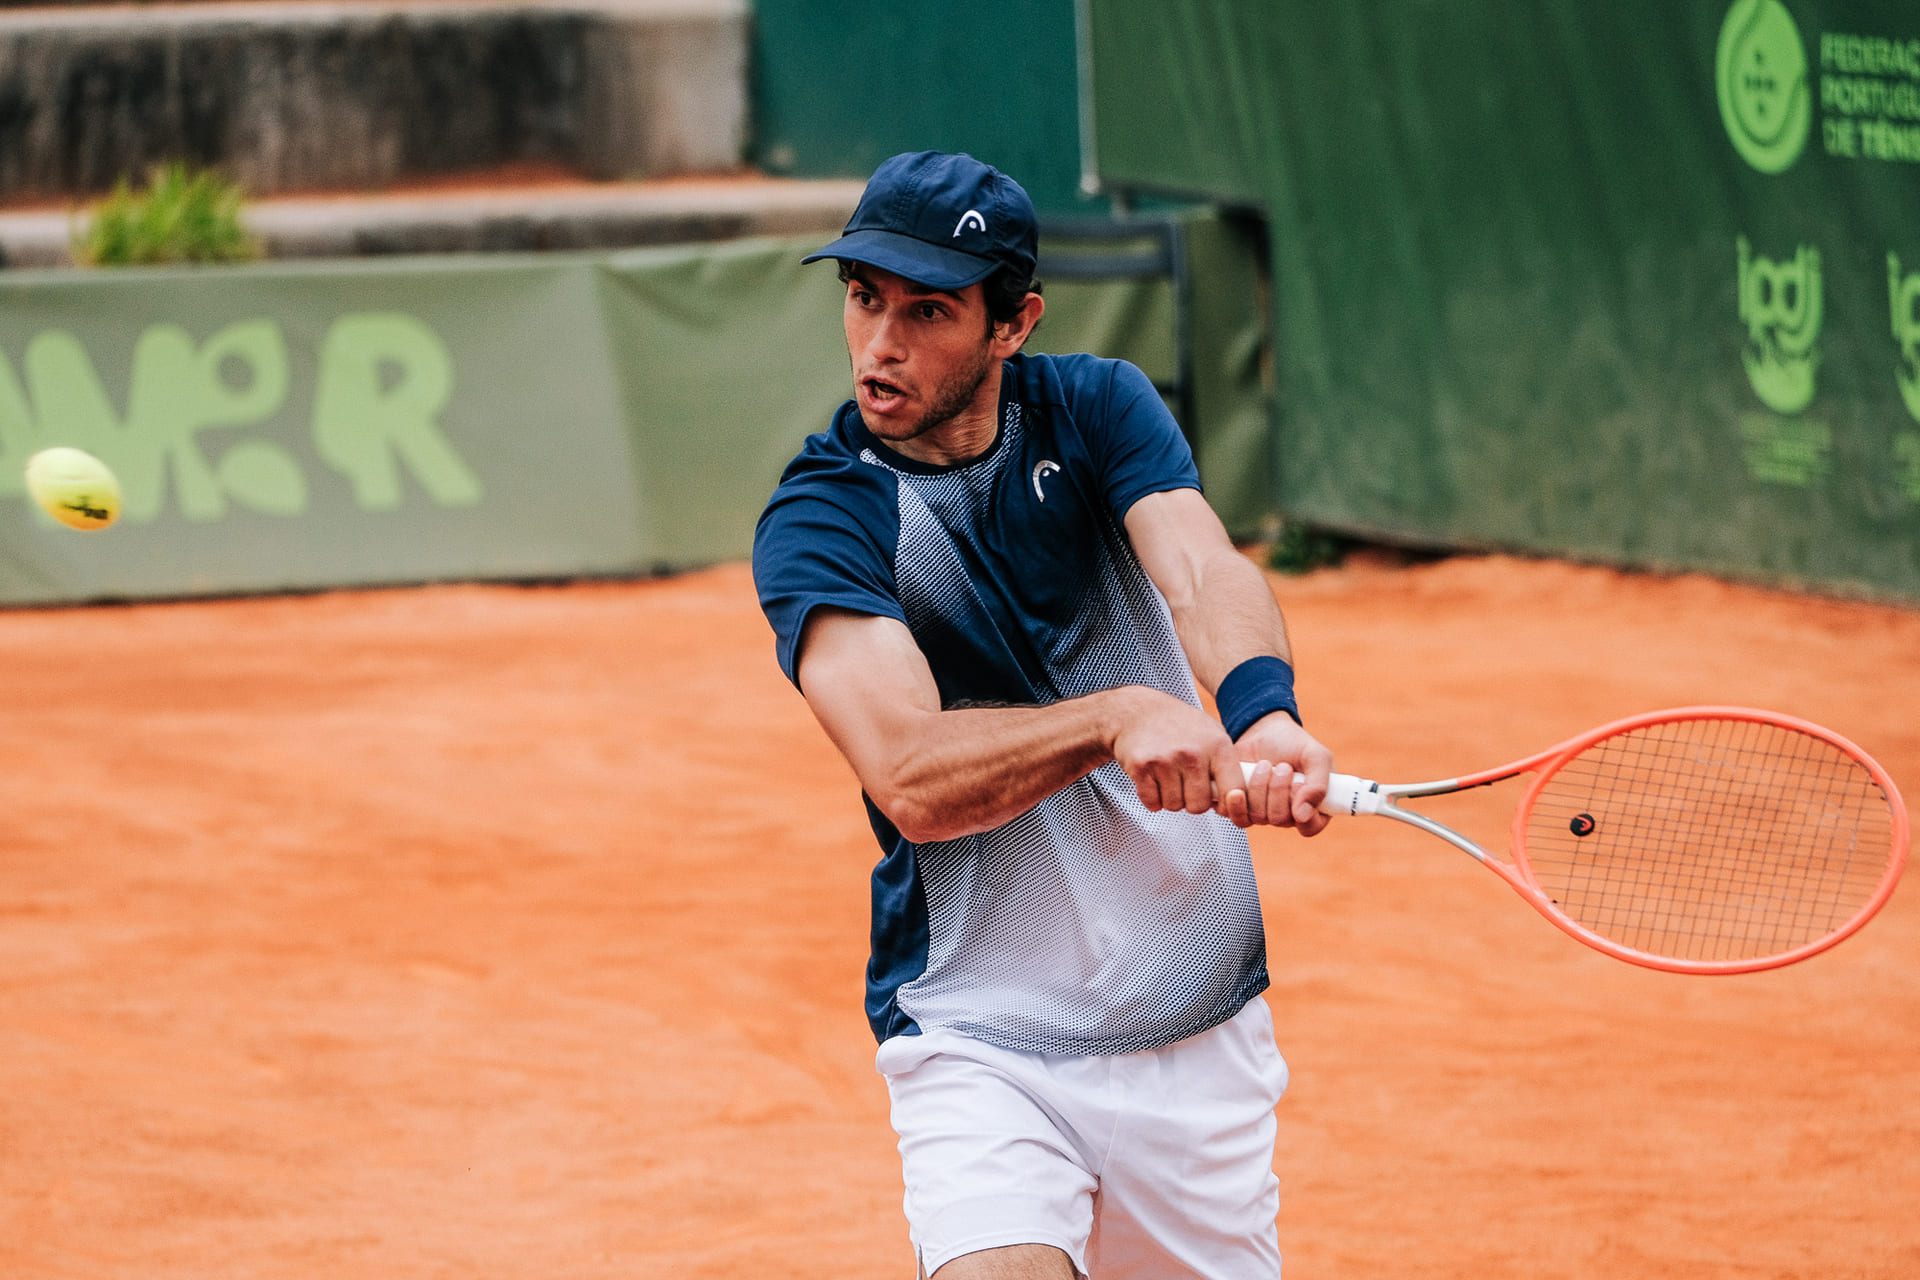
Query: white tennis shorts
<point>1155,1165</point>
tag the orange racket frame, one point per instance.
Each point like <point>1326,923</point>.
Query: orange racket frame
<point>1355,796</point>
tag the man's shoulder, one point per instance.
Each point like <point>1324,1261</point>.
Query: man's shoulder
<point>1065,378</point>
<point>829,482</point>
<point>829,459</point>
<point>1089,390</point>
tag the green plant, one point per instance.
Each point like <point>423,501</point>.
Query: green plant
<point>1301,548</point>
<point>183,215</point>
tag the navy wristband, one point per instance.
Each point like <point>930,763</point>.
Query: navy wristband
<point>1257,687</point>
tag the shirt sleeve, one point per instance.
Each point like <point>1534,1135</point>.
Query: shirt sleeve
<point>811,550</point>
<point>1141,448</point>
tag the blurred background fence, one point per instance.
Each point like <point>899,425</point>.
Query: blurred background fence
<point>1638,284</point>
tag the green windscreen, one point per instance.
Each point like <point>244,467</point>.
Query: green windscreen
<point>1636,281</point>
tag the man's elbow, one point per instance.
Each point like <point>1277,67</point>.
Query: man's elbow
<point>918,816</point>
<point>914,819</point>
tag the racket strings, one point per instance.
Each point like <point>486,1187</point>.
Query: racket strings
<point>1710,839</point>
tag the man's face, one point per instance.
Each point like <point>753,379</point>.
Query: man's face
<point>920,356</point>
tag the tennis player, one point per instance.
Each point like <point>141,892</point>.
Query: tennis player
<point>995,581</point>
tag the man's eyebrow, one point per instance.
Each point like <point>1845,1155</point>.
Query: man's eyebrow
<point>913,287</point>
<point>919,290</point>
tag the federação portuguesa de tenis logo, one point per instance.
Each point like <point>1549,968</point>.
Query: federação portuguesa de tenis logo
<point>1760,75</point>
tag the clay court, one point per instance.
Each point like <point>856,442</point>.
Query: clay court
<point>494,931</point>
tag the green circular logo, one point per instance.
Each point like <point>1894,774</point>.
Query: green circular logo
<point>1760,72</point>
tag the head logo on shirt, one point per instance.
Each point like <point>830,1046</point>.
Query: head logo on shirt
<point>1041,470</point>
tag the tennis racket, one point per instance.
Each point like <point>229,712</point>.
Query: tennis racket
<point>1695,840</point>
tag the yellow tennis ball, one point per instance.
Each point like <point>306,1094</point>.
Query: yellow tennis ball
<point>74,487</point>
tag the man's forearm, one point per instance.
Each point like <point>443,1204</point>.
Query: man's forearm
<point>941,773</point>
<point>1228,616</point>
<point>956,772</point>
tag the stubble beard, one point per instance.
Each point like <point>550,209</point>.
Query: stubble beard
<point>954,397</point>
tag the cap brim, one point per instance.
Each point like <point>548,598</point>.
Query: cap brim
<point>928,264</point>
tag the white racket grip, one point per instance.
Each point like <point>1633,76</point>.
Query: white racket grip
<point>1345,793</point>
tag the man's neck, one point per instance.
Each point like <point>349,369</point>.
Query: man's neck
<point>964,437</point>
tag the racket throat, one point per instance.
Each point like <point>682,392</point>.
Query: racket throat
<point>1363,797</point>
<point>1432,828</point>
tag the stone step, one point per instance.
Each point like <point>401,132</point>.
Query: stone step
<point>519,218</point>
<point>356,94</point>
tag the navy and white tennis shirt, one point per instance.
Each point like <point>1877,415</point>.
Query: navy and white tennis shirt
<point>1086,925</point>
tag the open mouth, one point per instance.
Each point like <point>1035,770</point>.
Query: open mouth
<point>882,392</point>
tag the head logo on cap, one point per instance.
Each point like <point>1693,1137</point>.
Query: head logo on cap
<point>971,218</point>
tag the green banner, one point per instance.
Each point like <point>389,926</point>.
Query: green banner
<point>298,426</point>
<point>1639,282</point>
<point>303,426</point>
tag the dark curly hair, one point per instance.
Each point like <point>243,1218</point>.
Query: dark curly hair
<point>1005,293</point>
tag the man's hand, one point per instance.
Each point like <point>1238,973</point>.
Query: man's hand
<point>1271,797</point>
<point>1178,756</point>
<point>1225,613</point>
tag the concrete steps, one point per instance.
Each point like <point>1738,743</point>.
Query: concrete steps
<point>351,94</point>
<point>372,99</point>
<point>506,218</point>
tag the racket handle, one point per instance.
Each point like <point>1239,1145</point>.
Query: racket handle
<point>1345,793</point>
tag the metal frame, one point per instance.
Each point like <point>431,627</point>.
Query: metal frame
<point>1164,258</point>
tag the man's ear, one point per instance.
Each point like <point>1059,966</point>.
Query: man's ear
<point>1014,333</point>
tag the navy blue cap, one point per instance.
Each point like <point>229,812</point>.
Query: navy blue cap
<point>944,221</point>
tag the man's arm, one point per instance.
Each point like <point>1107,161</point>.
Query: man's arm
<point>1225,614</point>
<point>941,774</point>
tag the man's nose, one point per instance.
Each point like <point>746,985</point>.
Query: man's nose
<point>887,339</point>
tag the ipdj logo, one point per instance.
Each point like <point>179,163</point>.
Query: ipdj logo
<point>1760,73</point>
<point>1780,303</point>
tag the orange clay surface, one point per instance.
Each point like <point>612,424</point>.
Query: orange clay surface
<point>482,931</point>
